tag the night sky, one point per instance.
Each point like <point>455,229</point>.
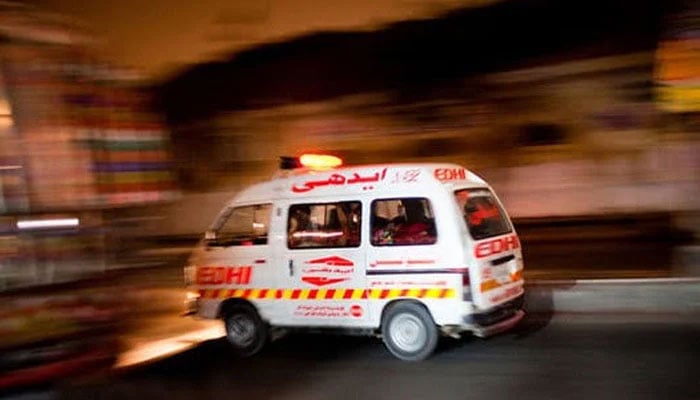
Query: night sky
<point>162,35</point>
<point>221,55</point>
<point>415,57</point>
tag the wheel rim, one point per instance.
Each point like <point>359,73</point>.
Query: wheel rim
<point>241,330</point>
<point>407,333</point>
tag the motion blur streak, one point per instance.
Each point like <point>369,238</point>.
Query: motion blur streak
<point>125,126</point>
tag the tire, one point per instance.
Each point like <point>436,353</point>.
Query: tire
<point>409,332</point>
<point>245,331</point>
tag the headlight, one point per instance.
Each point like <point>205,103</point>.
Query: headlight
<point>191,303</point>
<point>191,296</point>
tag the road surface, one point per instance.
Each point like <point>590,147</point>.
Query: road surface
<point>542,359</point>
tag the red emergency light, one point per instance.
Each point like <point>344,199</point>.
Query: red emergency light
<point>311,161</point>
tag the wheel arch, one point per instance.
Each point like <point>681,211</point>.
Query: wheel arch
<point>395,302</point>
<point>228,303</point>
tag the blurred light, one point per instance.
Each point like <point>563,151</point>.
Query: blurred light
<point>48,223</point>
<point>5,121</point>
<point>320,161</point>
<point>316,234</point>
<point>166,347</point>
<point>5,110</point>
<point>10,167</point>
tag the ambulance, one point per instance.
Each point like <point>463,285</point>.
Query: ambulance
<point>406,252</point>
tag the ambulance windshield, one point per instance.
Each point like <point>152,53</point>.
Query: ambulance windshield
<point>482,213</point>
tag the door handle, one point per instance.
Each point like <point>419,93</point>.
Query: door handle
<point>291,267</point>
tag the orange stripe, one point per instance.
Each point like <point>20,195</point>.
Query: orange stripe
<point>334,294</point>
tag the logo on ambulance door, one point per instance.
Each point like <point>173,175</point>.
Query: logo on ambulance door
<point>496,246</point>
<point>450,174</point>
<point>327,270</point>
<point>224,275</point>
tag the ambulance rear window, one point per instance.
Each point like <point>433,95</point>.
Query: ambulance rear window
<point>482,213</point>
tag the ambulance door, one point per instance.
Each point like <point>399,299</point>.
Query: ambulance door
<point>498,258</point>
<point>236,257</point>
<point>323,263</point>
<point>403,252</point>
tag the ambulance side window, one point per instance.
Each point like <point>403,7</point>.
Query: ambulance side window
<point>243,226</point>
<point>324,225</point>
<point>403,221</point>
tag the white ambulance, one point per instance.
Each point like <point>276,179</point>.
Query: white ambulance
<point>407,252</point>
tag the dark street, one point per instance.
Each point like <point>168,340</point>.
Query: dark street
<point>181,182</point>
<point>561,359</point>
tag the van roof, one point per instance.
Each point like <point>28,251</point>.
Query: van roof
<point>359,179</point>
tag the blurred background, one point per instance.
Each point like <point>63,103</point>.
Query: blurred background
<point>125,126</point>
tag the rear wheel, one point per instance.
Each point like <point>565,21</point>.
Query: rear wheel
<point>245,331</point>
<point>409,332</point>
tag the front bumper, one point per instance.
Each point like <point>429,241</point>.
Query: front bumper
<point>191,304</point>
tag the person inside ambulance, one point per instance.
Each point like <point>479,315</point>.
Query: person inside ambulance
<point>300,225</point>
<point>348,216</point>
<point>385,215</point>
<point>402,222</point>
<point>324,225</point>
<point>417,225</point>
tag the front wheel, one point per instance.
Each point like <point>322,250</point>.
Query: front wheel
<point>409,332</point>
<point>245,331</point>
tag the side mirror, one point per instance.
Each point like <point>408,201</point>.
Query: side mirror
<point>210,237</point>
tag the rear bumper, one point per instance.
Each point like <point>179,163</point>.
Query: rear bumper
<point>486,331</point>
<point>498,319</point>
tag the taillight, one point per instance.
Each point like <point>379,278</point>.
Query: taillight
<point>466,287</point>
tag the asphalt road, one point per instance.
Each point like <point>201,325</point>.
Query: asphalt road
<point>542,359</point>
